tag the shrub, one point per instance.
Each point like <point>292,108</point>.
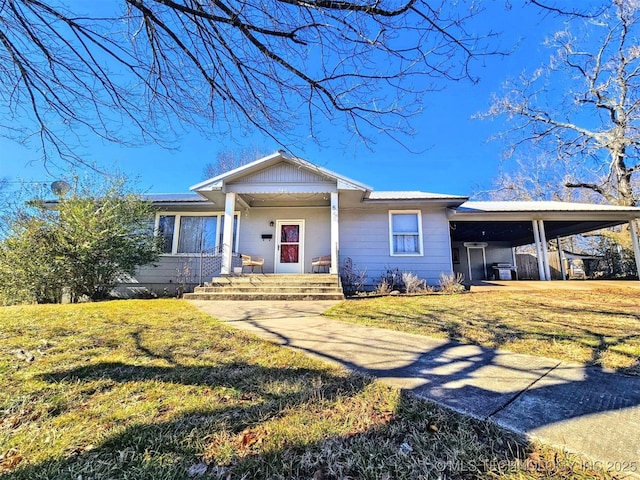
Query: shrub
<point>412,283</point>
<point>451,283</point>
<point>393,278</point>
<point>81,244</point>
<point>383,287</point>
<point>353,279</point>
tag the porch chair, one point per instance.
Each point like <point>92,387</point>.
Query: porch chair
<point>320,262</point>
<point>253,262</point>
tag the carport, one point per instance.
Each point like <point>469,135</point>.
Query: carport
<point>476,226</point>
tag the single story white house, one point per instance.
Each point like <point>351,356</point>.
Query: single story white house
<point>287,211</point>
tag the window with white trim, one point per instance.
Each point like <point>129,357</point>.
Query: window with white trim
<point>405,232</point>
<point>192,233</point>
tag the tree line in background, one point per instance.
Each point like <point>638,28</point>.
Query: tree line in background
<point>79,247</point>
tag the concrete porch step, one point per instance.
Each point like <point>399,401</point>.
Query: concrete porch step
<point>270,289</point>
<point>262,296</point>
<point>260,286</point>
<point>263,279</point>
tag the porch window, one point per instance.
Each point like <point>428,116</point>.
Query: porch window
<point>405,232</point>
<point>195,232</point>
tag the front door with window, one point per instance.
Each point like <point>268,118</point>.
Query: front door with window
<point>289,257</point>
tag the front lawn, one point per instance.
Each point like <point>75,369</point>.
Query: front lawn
<point>156,390</point>
<point>599,327</point>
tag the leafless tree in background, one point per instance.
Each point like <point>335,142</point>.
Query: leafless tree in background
<point>583,107</point>
<point>227,160</point>
<point>270,66</point>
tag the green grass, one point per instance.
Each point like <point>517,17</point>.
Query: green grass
<point>156,390</point>
<point>599,327</point>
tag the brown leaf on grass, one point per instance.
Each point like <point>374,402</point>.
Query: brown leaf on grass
<point>434,428</point>
<point>250,437</point>
<point>9,460</point>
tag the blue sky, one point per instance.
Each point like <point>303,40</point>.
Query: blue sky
<point>450,152</point>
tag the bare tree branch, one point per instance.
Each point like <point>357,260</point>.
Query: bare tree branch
<point>270,66</point>
<point>596,123</point>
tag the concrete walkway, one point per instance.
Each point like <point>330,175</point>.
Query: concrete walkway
<point>582,409</point>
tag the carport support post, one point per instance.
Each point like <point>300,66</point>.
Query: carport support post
<point>636,242</point>
<point>545,252</point>
<point>334,234</point>
<point>227,233</point>
<point>536,237</point>
<point>563,272</point>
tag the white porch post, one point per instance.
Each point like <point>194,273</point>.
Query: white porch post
<point>545,252</point>
<point>227,233</point>
<point>335,234</point>
<point>536,237</point>
<point>636,242</point>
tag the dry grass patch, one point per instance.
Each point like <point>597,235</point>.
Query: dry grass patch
<point>157,390</point>
<point>599,327</point>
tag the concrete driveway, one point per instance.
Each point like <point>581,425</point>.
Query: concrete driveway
<point>536,285</point>
<point>582,409</point>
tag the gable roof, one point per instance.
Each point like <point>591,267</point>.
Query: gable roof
<point>217,182</point>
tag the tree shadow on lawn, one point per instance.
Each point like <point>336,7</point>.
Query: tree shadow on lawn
<point>407,439</point>
<point>586,342</point>
<point>524,393</point>
<point>414,439</point>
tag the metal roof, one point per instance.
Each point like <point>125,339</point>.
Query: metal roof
<point>534,206</point>
<point>412,195</point>
<point>174,197</point>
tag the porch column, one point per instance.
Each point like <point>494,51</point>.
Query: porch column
<point>545,252</point>
<point>227,233</point>
<point>335,234</point>
<point>536,237</point>
<point>635,233</point>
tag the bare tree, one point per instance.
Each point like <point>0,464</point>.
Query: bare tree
<point>227,160</point>
<point>583,107</point>
<point>272,66</point>
<point>536,178</point>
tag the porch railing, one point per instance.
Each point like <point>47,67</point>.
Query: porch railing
<point>211,263</point>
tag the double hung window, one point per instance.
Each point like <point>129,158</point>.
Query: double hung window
<point>405,232</point>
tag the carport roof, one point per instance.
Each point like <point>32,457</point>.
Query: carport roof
<point>531,207</point>
<point>512,221</point>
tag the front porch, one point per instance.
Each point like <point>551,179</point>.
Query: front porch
<point>280,209</point>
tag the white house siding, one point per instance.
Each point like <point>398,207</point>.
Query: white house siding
<point>170,272</point>
<point>283,174</point>
<point>364,237</point>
